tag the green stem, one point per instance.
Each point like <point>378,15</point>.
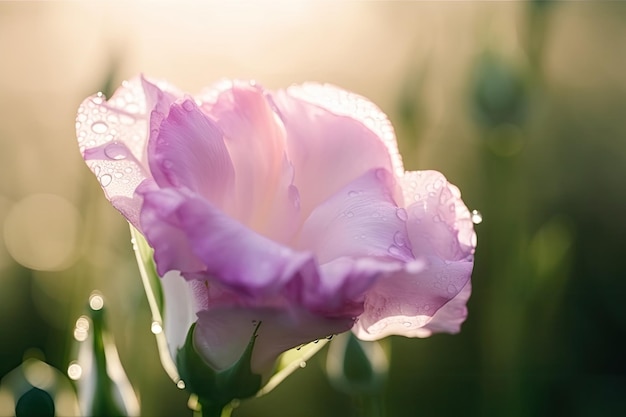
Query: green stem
<point>211,409</point>
<point>369,405</point>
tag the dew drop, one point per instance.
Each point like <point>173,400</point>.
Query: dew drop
<point>128,170</point>
<point>156,327</point>
<point>381,174</point>
<point>349,214</point>
<point>302,364</point>
<point>407,324</point>
<point>99,127</point>
<point>330,337</point>
<point>402,214</point>
<point>116,151</point>
<point>294,196</point>
<point>188,105</point>
<point>180,384</point>
<point>399,239</point>
<point>98,98</point>
<point>451,289</point>
<point>316,341</point>
<point>105,180</point>
<point>353,193</point>
<point>477,218</point>
<point>394,250</point>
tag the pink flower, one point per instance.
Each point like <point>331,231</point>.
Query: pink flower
<point>289,207</point>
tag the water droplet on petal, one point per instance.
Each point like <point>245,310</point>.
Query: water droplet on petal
<point>394,250</point>
<point>402,214</point>
<point>399,239</point>
<point>294,196</point>
<point>99,127</point>
<point>116,151</point>
<point>302,364</point>
<point>407,324</point>
<point>180,384</point>
<point>330,337</point>
<point>105,180</point>
<point>353,193</point>
<point>477,218</point>
<point>349,214</point>
<point>188,105</point>
<point>452,289</point>
<point>98,98</point>
<point>381,174</point>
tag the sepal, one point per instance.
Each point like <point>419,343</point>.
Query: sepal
<point>216,389</point>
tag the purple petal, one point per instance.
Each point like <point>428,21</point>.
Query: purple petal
<point>190,235</point>
<point>189,152</point>
<point>442,236</point>
<point>404,302</point>
<point>328,150</point>
<point>360,220</point>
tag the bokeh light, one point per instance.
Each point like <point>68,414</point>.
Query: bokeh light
<point>41,232</point>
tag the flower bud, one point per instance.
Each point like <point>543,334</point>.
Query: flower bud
<point>103,388</point>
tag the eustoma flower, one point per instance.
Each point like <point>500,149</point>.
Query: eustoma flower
<point>290,208</point>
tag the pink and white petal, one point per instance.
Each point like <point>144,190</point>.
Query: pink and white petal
<point>222,334</point>
<point>112,137</point>
<point>190,235</point>
<point>359,220</point>
<point>255,139</point>
<point>346,103</point>
<point>439,223</point>
<point>189,152</point>
<point>403,303</point>
<point>327,150</point>
<point>448,319</point>
<point>182,300</point>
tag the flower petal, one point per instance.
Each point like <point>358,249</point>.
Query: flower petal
<point>439,222</point>
<point>267,201</point>
<point>346,103</point>
<point>183,299</point>
<point>113,136</point>
<point>442,236</point>
<point>222,334</point>
<point>403,303</point>
<point>189,151</point>
<point>448,319</point>
<point>328,150</point>
<point>190,235</point>
<point>360,220</point>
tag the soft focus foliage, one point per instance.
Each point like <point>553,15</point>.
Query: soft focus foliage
<point>520,104</point>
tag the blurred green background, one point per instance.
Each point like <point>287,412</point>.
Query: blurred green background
<point>520,104</point>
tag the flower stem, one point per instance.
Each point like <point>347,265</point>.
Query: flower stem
<point>211,409</point>
<point>369,405</point>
